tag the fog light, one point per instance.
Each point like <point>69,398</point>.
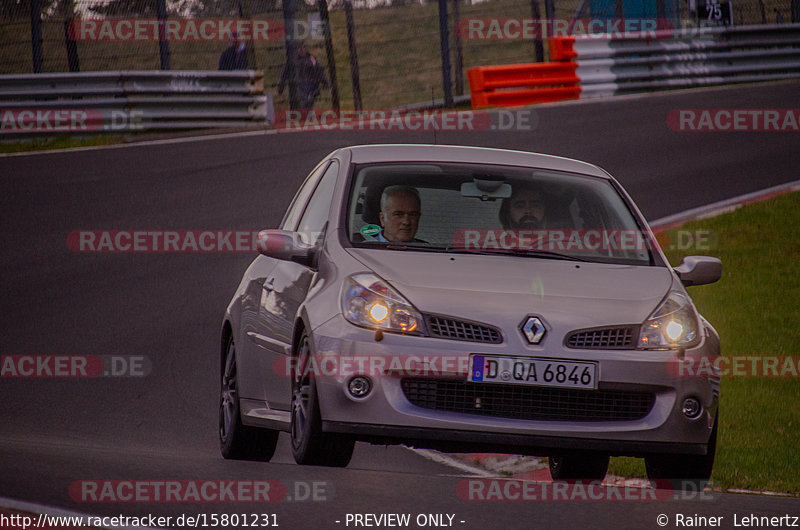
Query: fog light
<point>359,386</point>
<point>691,408</point>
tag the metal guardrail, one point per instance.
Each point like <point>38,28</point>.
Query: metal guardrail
<point>670,59</point>
<point>128,101</point>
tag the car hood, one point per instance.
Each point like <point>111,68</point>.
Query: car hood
<point>504,289</point>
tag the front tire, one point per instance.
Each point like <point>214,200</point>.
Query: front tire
<point>310,445</point>
<point>578,467</point>
<point>683,471</point>
<point>236,440</point>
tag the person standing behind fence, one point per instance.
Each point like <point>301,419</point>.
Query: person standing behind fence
<point>307,75</point>
<point>235,56</point>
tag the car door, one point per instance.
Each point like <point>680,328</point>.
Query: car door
<point>256,337</point>
<point>285,290</point>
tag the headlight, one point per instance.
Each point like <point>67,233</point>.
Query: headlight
<point>672,325</point>
<point>371,302</point>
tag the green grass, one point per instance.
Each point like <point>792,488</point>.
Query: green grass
<point>755,310</point>
<point>59,142</point>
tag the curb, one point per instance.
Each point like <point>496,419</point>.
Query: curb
<point>720,207</point>
<point>529,468</point>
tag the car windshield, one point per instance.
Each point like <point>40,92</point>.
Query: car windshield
<point>493,209</point>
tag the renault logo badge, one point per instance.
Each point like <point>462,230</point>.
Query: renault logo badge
<point>533,329</point>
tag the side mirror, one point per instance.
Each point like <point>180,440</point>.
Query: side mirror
<point>699,270</point>
<point>284,245</point>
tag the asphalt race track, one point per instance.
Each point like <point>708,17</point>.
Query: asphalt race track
<point>168,308</point>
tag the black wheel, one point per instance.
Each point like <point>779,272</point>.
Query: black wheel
<point>687,472</point>
<point>311,446</point>
<point>579,467</point>
<point>238,441</point>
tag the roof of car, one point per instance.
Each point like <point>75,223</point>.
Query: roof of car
<point>362,154</point>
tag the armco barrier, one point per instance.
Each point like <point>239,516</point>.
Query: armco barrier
<point>532,83</point>
<point>128,101</point>
<point>671,59</point>
<point>606,65</point>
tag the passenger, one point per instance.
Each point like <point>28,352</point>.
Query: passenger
<point>525,209</point>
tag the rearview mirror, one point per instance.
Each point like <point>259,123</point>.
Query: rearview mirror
<point>284,245</point>
<point>487,188</point>
<point>699,270</point>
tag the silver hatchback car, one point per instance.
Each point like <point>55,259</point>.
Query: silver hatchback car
<point>469,299</point>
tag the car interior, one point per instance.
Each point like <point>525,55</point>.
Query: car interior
<point>570,203</point>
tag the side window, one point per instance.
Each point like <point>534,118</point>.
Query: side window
<point>316,214</point>
<point>301,198</point>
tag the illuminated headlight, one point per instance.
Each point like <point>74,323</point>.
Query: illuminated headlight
<point>371,302</point>
<point>672,325</point>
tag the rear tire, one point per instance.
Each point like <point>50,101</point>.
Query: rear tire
<point>679,472</point>
<point>578,467</point>
<point>310,445</point>
<point>236,440</point>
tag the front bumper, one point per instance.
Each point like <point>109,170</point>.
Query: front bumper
<point>386,415</point>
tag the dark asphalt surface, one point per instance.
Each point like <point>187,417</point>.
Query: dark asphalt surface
<point>168,307</point>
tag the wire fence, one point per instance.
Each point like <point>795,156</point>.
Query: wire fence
<point>376,54</point>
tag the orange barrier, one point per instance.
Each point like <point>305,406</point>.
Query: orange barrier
<point>516,98</point>
<point>562,48</point>
<point>540,83</point>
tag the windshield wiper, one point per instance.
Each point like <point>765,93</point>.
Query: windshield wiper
<point>546,254</point>
<point>396,246</point>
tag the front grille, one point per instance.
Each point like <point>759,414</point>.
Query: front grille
<point>606,338</point>
<point>526,402</point>
<point>451,328</point>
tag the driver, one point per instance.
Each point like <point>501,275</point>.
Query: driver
<point>400,213</point>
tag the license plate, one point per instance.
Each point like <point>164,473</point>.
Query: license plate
<point>532,371</point>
